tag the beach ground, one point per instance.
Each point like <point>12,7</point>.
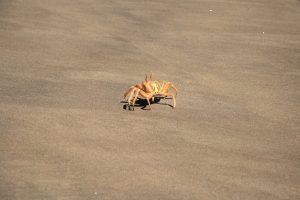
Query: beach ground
<point>234,134</point>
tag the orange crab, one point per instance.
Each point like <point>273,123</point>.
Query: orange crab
<point>150,89</point>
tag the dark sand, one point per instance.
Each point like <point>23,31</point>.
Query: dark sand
<point>234,134</point>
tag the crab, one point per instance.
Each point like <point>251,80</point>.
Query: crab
<point>150,89</point>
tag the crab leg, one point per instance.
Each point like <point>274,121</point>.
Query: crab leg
<point>173,97</point>
<point>136,96</point>
<point>131,96</point>
<point>174,88</point>
<point>128,90</point>
<point>165,88</point>
<point>144,95</point>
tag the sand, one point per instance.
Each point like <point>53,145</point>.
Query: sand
<point>234,134</point>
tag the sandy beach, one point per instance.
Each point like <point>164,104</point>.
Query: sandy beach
<point>234,135</point>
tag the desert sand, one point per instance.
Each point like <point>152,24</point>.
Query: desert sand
<point>234,133</point>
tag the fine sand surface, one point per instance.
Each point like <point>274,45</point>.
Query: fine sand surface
<point>235,133</point>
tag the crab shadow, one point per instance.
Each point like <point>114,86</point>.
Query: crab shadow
<point>142,103</point>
